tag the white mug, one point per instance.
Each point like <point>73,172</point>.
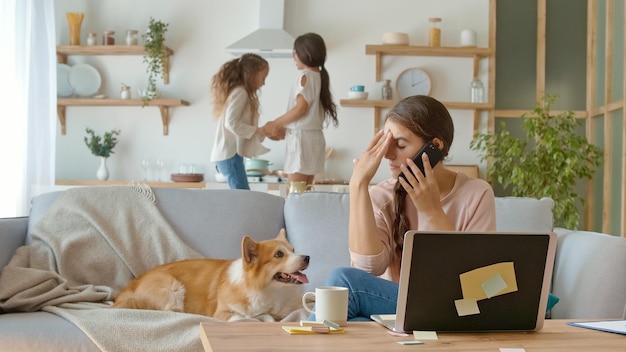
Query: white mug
<point>331,303</point>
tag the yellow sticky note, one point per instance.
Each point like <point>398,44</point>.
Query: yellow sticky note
<point>493,285</point>
<point>425,335</point>
<point>472,281</point>
<point>467,306</point>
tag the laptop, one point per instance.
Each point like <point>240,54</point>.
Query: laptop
<point>464,281</point>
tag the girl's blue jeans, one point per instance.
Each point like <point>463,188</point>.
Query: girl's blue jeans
<point>235,172</point>
<point>367,294</point>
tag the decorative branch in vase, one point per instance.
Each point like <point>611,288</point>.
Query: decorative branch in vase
<point>155,57</point>
<point>101,146</point>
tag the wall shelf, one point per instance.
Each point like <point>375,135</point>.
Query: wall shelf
<point>163,105</point>
<point>63,51</point>
<point>409,50</point>
<point>475,53</point>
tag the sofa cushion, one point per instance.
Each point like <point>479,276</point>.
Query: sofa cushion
<point>41,331</point>
<point>12,232</point>
<point>589,276</point>
<point>524,214</point>
<point>39,205</point>
<point>213,222</point>
<point>317,225</point>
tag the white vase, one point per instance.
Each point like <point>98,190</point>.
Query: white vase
<point>103,172</point>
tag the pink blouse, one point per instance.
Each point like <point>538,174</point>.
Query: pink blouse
<point>470,206</point>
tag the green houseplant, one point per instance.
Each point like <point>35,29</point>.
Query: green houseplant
<point>549,163</point>
<point>155,55</point>
<point>101,146</point>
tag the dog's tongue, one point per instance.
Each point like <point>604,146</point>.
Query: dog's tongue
<point>300,277</point>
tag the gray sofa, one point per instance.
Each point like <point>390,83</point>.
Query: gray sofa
<point>589,275</point>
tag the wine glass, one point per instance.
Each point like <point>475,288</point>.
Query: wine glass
<point>159,164</point>
<point>145,164</point>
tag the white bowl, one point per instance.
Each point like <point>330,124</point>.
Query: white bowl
<point>395,38</point>
<point>357,95</point>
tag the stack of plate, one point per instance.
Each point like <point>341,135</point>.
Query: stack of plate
<point>81,79</point>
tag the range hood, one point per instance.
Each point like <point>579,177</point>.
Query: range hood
<point>270,40</point>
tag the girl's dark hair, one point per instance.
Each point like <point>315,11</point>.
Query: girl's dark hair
<point>234,73</point>
<point>311,51</point>
<point>428,119</point>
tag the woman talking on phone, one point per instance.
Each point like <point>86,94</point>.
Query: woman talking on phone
<point>438,199</point>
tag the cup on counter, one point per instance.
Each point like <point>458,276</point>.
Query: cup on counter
<point>187,169</point>
<point>357,88</point>
<point>331,303</point>
<point>298,187</point>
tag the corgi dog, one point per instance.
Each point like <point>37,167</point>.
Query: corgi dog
<point>264,281</point>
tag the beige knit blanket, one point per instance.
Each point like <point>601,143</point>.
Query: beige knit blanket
<point>90,244</point>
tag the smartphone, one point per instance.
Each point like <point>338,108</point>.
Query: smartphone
<point>434,155</point>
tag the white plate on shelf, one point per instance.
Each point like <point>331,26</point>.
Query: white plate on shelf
<point>64,89</point>
<point>85,80</point>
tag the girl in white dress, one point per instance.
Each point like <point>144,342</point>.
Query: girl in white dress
<point>310,109</point>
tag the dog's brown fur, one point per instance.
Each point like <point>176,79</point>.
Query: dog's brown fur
<point>263,282</point>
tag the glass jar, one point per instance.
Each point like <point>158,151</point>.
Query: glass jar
<point>434,32</point>
<point>387,91</point>
<point>132,37</point>
<point>108,38</point>
<point>477,91</point>
<point>91,38</point>
<point>125,92</point>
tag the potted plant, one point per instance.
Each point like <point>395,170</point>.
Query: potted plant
<point>549,163</point>
<point>155,55</point>
<point>102,147</point>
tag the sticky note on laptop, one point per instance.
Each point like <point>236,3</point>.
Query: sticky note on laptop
<point>467,306</point>
<point>489,281</point>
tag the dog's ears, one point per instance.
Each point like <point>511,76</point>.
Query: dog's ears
<point>282,235</point>
<point>249,251</point>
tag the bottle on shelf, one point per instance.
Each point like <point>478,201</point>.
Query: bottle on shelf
<point>125,92</point>
<point>132,37</point>
<point>434,32</point>
<point>387,91</point>
<point>108,38</point>
<point>92,38</point>
<point>477,91</point>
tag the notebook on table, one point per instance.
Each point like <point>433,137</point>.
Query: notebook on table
<point>462,281</point>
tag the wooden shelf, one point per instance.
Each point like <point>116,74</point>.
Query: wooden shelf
<point>371,103</point>
<point>475,53</point>
<point>124,183</point>
<point>163,105</point>
<point>63,51</point>
<point>409,50</point>
<point>386,104</point>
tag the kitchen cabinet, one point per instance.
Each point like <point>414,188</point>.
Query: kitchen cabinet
<point>164,104</point>
<point>474,53</point>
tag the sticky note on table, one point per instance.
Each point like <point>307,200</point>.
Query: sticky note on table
<point>425,335</point>
<point>468,306</point>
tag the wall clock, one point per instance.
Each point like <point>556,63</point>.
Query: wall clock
<point>413,81</point>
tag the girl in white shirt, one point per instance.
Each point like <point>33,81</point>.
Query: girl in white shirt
<point>236,106</point>
<point>311,107</point>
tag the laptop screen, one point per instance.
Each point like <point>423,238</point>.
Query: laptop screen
<point>459,281</point>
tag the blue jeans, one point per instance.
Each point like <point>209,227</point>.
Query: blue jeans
<point>235,172</point>
<point>367,294</point>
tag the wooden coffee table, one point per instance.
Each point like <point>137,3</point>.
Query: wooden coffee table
<point>370,336</point>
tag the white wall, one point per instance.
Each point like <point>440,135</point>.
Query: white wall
<point>199,30</point>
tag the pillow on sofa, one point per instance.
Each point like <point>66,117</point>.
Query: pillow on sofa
<point>317,225</point>
<point>524,214</point>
